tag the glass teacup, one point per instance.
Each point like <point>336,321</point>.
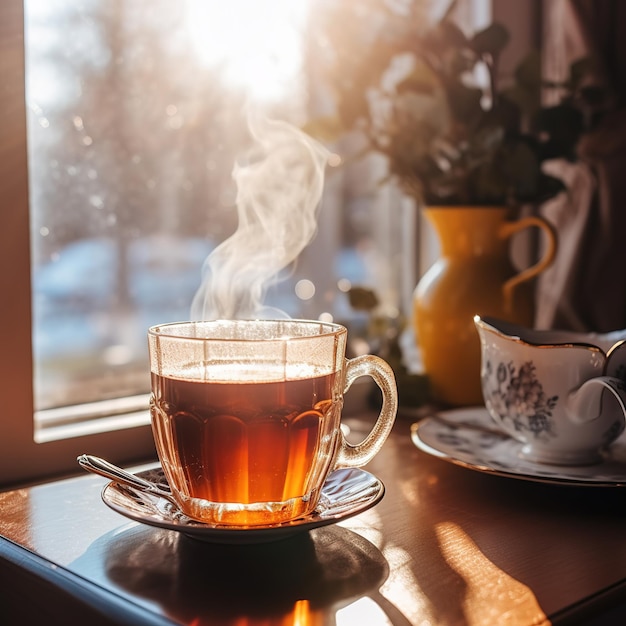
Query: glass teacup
<point>246,415</point>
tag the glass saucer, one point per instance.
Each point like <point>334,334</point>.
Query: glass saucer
<point>347,492</point>
<point>471,439</point>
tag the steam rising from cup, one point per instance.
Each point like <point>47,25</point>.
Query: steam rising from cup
<point>278,192</point>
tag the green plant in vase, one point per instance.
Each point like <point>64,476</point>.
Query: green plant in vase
<point>429,97</point>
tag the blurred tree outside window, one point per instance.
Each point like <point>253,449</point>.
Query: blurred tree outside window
<point>135,113</point>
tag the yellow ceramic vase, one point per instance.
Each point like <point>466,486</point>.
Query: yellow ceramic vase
<point>473,275</point>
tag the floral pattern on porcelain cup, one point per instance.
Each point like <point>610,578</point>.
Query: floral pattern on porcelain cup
<point>562,394</point>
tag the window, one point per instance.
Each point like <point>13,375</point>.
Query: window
<point>119,142</point>
<point>120,125</point>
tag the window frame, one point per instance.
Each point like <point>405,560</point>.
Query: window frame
<point>21,458</point>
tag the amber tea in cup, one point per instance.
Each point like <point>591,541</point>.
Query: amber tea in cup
<point>246,415</point>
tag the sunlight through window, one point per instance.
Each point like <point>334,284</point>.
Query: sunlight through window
<point>255,44</point>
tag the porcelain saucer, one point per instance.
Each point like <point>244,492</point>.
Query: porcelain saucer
<point>471,439</point>
<point>346,492</point>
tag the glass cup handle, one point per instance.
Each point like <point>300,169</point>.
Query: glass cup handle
<point>369,365</point>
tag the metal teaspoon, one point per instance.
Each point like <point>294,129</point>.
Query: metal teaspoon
<point>99,466</point>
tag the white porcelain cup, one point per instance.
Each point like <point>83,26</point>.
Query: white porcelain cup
<point>562,394</point>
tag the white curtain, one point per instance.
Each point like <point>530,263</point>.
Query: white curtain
<point>585,289</point>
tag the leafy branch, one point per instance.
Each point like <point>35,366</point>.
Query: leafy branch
<point>416,95</point>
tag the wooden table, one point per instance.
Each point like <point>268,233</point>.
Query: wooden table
<point>446,546</point>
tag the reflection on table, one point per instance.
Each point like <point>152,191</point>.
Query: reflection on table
<point>446,546</point>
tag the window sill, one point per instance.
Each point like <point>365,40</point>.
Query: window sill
<point>110,415</point>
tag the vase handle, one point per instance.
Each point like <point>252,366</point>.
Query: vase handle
<point>510,228</point>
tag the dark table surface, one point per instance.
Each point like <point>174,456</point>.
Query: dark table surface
<point>445,546</point>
